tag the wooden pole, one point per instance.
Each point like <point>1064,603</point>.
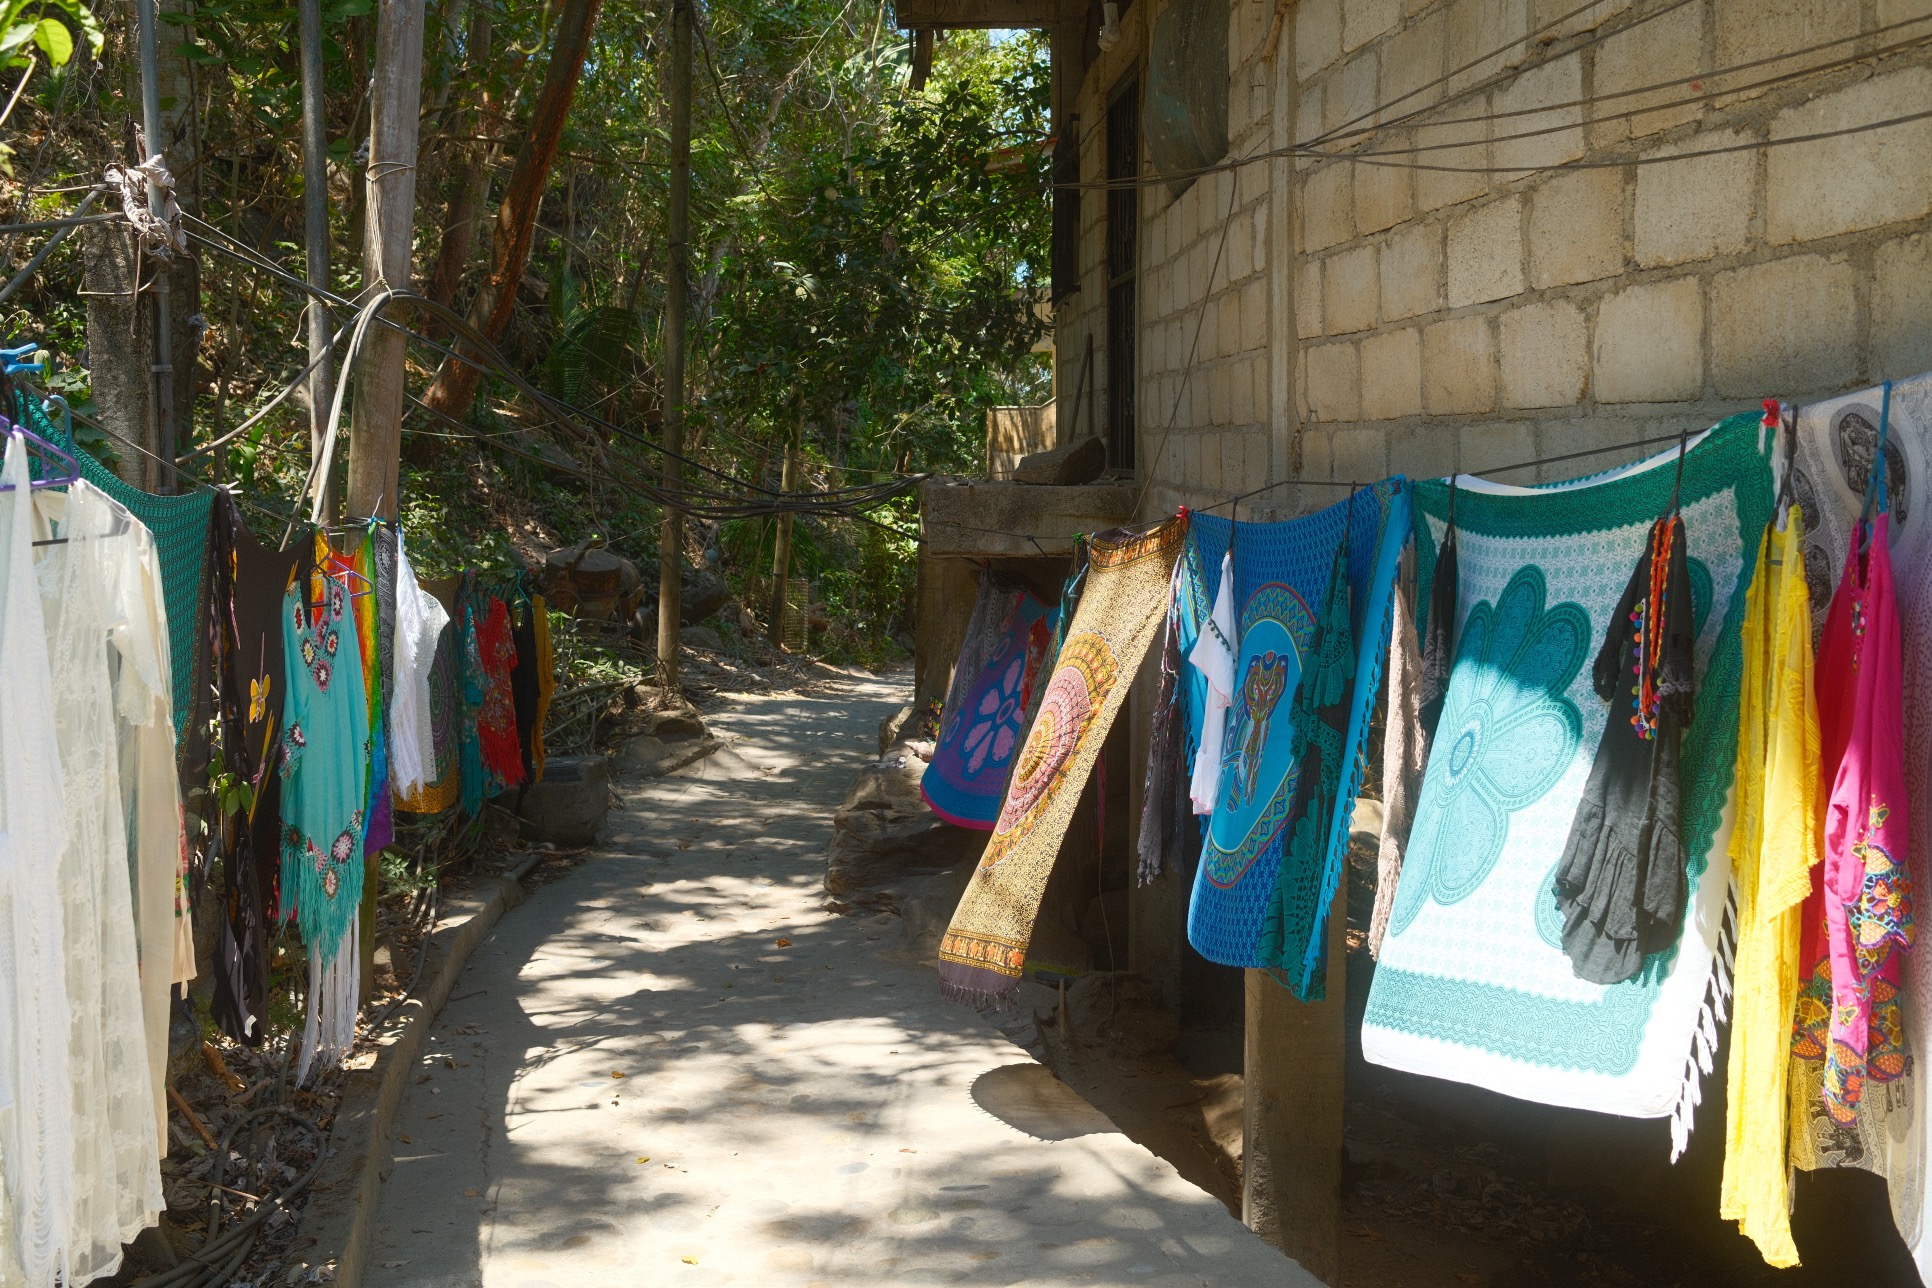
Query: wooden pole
<point>781,553</point>
<point>670,583</point>
<point>375,434</point>
<point>315,203</point>
<point>1291,1175</point>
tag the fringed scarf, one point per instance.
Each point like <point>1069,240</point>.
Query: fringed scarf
<point>983,953</point>
<point>1472,984</point>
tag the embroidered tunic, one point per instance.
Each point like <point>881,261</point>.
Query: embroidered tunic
<point>1620,884</point>
<point>1858,918</point>
<point>325,795</point>
<point>497,722</point>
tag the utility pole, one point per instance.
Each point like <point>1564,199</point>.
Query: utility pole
<point>781,554</point>
<point>154,144</point>
<point>315,201</point>
<point>670,558</point>
<point>375,436</point>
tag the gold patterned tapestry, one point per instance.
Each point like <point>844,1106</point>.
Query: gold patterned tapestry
<point>984,951</point>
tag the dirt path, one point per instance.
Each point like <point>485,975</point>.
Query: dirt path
<point>796,1106</point>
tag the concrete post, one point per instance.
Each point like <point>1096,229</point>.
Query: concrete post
<point>1291,1184</point>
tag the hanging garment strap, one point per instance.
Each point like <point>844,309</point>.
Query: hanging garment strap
<point>1877,495</point>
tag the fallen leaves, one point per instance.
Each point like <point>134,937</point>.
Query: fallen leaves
<point>472,1193</point>
<point>405,1140</point>
<point>616,1073</point>
<point>421,1079</point>
<point>689,1261</point>
<point>643,1158</point>
<point>781,943</point>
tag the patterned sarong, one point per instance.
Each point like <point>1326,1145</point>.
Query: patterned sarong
<point>1281,575</point>
<point>1837,441</point>
<point>1472,984</point>
<point>988,703</point>
<point>983,953</point>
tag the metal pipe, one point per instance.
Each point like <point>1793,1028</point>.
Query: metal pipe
<point>315,203</point>
<point>40,256</point>
<point>155,146</point>
<point>670,586</point>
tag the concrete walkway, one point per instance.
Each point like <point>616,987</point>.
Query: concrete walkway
<point>795,1106</point>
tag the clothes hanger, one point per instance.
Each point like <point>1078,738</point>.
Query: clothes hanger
<point>1782,419</point>
<point>1877,495</point>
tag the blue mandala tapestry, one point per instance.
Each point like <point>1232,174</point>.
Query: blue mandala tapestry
<point>1281,578</point>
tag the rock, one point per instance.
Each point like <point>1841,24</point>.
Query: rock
<point>655,757</point>
<point>704,593</point>
<point>1123,1011</point>
<point>890,727</point>
<point>884,826</point>
<point>568,805</point>
<point>1078,462</point>
<point>926,907</point>
<point>701,637</point>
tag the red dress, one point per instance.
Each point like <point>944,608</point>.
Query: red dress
<point>497,722</point>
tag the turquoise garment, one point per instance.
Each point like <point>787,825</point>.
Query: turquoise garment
<point>180,525</point>
<point>325,759</point>
<point>470,665</point>
<point>1294,938</point>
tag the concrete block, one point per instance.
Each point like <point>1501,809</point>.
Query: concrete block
<point>1698,208</point>
<point>1318,36</point>
<point>1649,343</point>
<point>1411,59</point>
<point>1412,272</point>
<point>1384,194</point>
<point>1545,355</point>
<point>1545,12</point>
<point>1576,228</point>
<point>1360,456</point>
<point>1766,28</point>
<point>1333,391</point>
<point>1308,111</point>
<point>1349,290</point>
<point>1560,81</point>
<point>1435,189</point>
<point>1308,298</point>
<point>1458,367</point>
<point>1364,20</point>
<point>1392,375</point>
<point>1880,177</point>
<point>1485,253</point>
<point>1891,11</point>
<point>1560,437</point>
<point>1649,53</point>
<point>1483,448</point>
<point>1317,457</point>
<point>1328,206</point>
<point>1478,28</point>
<point>1786,329</point>
<point>1426,451</point>
<point>1901,322</point>
<point>1351,92</point>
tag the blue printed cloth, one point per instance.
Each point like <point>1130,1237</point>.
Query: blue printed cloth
<point>1281,576</point>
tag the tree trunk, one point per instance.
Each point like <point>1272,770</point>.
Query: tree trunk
<point>516,219</point>
<point>471,187</point>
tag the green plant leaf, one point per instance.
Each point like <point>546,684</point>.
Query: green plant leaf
<point>55,40</point>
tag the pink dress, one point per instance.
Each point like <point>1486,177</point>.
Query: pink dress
<point>1858,919</point>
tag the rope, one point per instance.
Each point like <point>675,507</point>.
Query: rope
<point>160,236</point>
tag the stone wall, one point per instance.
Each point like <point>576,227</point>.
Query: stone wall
<point>1337,320</point>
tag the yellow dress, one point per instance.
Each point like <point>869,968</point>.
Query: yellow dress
<point>1773,845</point>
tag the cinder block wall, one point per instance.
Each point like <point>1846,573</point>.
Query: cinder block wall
<point>1364,319</point>
<point>1467,320</point>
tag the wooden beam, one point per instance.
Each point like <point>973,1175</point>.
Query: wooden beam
<point>923,15</point>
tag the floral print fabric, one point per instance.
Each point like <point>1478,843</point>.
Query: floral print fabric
<point>1858,921</point>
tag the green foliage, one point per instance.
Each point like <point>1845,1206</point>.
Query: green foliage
<point>863,283</point>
